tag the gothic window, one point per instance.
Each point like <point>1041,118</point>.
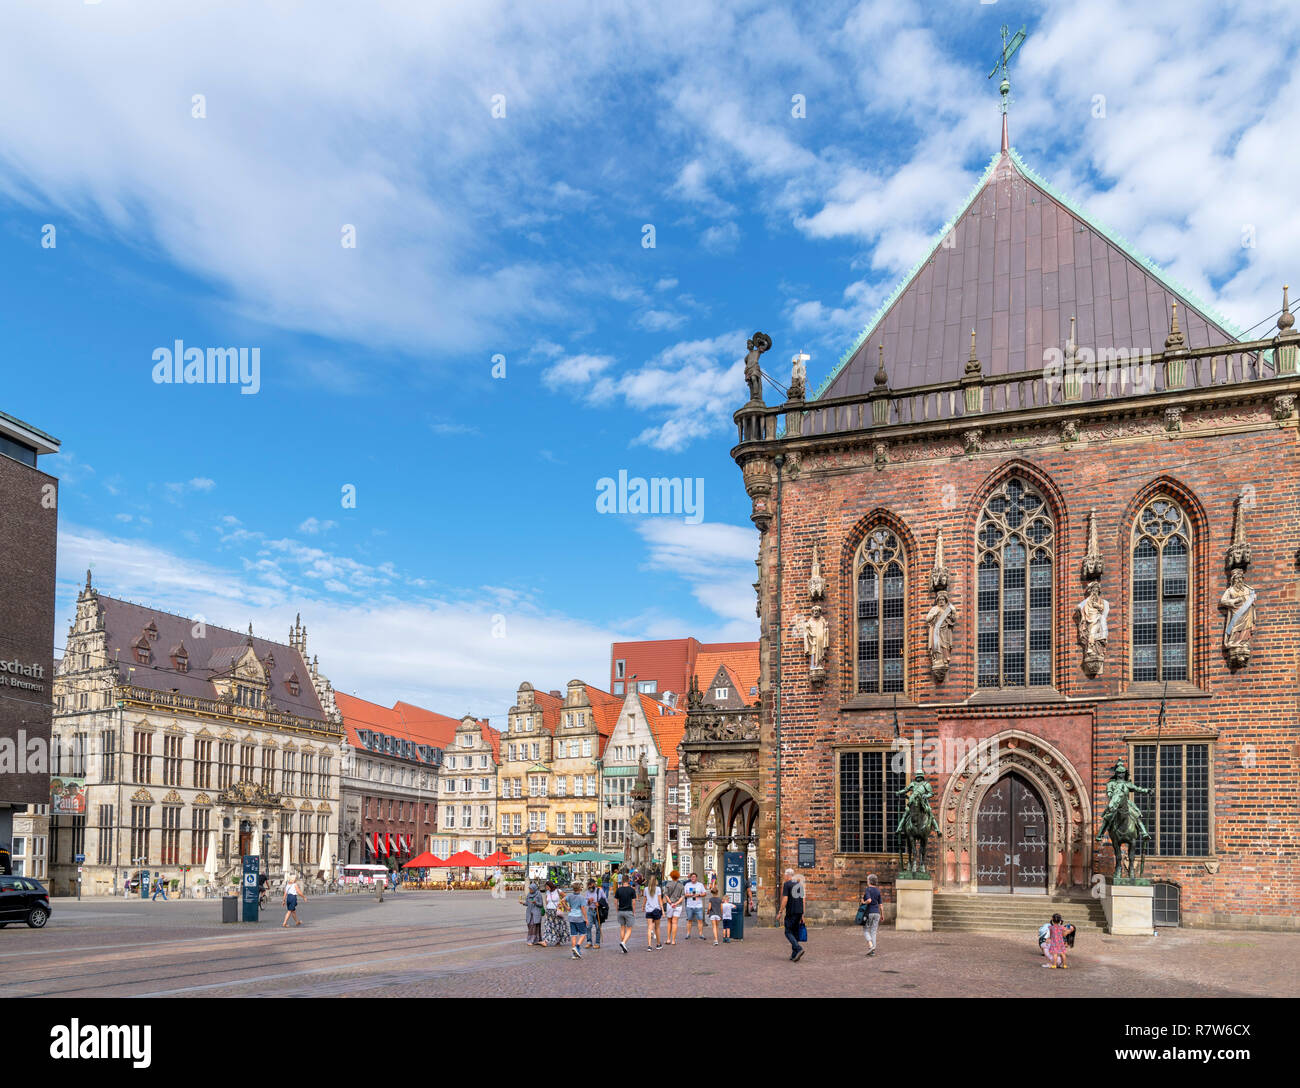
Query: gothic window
<point>881,587</point>
<point>1161,591</point>
<point>1015,542</point>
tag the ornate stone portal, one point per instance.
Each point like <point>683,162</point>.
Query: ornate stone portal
<point>719,753</point>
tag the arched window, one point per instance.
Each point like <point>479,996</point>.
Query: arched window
<point>880,594</point>
<point>1015,545</point>
<point>1162,548</point>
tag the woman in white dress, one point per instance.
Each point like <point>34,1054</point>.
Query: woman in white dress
<point>654,910</point>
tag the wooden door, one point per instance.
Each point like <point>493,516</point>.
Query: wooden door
<point>1011,838</point>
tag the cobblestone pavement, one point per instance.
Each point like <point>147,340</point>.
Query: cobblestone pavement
<point>432,944</point>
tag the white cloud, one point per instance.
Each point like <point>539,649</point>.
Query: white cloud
<point>575,370</point>
<point>660,320</point>
<point>716,560</point>
<point>312,526</point>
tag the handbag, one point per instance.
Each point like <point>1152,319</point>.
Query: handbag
<point>861,919</point>
<point>803,932</point>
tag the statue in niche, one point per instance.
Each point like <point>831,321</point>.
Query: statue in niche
<point>1238,601</point>
<point>940,621</point>
<point>1091,615</point>
<point>816,641</point>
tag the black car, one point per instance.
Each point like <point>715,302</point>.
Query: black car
<point>23,899</point>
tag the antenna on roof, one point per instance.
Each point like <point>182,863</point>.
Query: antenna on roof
<point>1009,48</point>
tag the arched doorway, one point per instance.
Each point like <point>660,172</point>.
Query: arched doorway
<point>1052,781</point>
<point>1011,838</point>
<point>245,837</point>
<point>729,810</point>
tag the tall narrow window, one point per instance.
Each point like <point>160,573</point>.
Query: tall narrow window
<point>1015,545</point>
<point>880,592</point>
<point>1180,822</point>
<point>1161,589</point>
<point>869,802</point>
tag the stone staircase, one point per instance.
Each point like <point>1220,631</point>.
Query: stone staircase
<point>1015,913</point>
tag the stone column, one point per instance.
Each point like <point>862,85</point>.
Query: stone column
<point>698,843</point>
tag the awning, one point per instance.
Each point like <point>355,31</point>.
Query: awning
<point>424,861</point>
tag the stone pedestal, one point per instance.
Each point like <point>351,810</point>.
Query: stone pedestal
<point>915,905</point>
<point>1128,909</point>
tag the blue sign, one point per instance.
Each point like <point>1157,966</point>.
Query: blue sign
<point>144,884</point>
<point>79,858</point>
<point>249,890</point>
<point>733,888</point>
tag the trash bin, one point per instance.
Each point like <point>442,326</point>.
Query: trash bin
<point>230,908</point>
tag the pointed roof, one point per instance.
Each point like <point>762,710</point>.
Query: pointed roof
<point>1015,264</point>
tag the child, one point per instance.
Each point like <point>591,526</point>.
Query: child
<point>1056,943</point>
<point>726,921</point>
<point>715,912</point>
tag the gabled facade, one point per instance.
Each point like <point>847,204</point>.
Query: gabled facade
<point>196,745</point>
<point>467,790</point>
<point>1046,491</point>
<point>644,727</point>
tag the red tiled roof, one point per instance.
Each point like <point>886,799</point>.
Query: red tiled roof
<point>741,663</point>
<point>493,737</point>
<point>405,720</point>
<point>667,725</point>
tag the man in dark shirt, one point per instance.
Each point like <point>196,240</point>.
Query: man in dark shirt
<point>792,898</point>
<point>625,897</point>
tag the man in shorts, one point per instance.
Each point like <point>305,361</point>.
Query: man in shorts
<point>695,893</point>
<point>674,899</point>
<point>625,898</point>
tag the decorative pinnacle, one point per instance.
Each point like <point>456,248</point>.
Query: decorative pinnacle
<point>1174,341</point>
<point>1093,565</point>
<point>1286,319</point>
<point>882,379</point>
<point>1070,345</point>
<point>973,367</point>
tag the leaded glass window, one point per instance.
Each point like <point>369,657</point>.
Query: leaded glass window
<point>1177,813</point>
<point>1161,591</point>
<point>869,804</point>
<point>1015,548</point>
<point>881,593</point>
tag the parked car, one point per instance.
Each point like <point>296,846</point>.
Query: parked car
<point>23,899</point>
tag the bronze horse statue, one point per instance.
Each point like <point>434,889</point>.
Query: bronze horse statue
<point>915,828</point>
<point>1123,829</point>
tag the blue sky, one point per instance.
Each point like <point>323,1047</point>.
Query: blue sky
<point>522,236</point>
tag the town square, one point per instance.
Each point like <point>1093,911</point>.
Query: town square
<point>727,500</point>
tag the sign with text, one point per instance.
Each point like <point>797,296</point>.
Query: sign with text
<point>67,796</point>
<point>248,891</point>
<point>807,853</point>
<point>733,886</point>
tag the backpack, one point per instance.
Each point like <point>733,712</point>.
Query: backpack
<point>602,909</point>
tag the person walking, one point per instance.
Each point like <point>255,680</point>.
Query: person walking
<point>577,918</point>
<point>550,922</point>
<point>695,892</point>
<point>715,912</point>
<point>625,901</point>
<point>534,912</point>
<point>498,884</point>
<point>871,899</point>
<point>292,893</point>
<point>159,888</point>
<point>1056,946</point>
<point>654,910</point>
<point>792,902</point>
<point>674,899</point>
<point>593,915</point>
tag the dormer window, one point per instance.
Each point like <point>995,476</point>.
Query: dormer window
<point>181,662</point>
<point>143,653</point>
<point>151,631</point>
<point>292,684</point>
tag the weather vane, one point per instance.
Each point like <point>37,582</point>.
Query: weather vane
<point>1009,47</point>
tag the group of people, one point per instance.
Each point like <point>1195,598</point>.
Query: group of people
<point>556,916</point>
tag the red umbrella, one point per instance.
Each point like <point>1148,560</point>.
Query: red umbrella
<point>466,859</point>
<point>499,858</point>
<point>424,861</point>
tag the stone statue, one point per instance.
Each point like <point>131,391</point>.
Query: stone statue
<point>798,377</point>
<point>1238,602</point>
<point>636,850</point>
<point>940,621</point>
<point>816,641</point>
<point>816,583</point>
<point>757,344</point>
<point>1091,615</point>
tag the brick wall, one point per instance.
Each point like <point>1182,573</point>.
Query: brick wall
<point>831,498</point>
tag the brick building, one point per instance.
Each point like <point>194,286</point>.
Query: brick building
<point>29,512</point>
<point>389,779</point>
<point>1044,491</point>
<point>663,668</point>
